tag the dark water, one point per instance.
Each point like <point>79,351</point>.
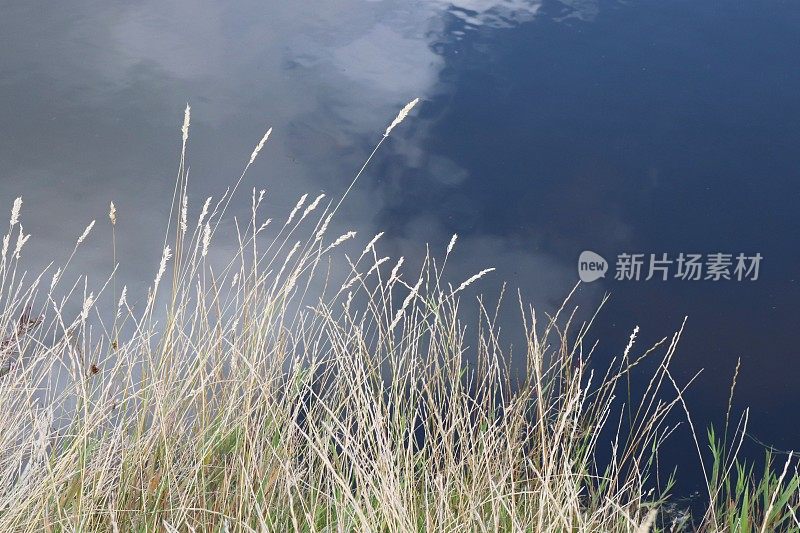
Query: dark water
<point>546,129</point>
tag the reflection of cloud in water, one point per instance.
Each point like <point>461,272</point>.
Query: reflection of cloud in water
<point>493,13</point>
<point>585,10</point>
<point>508,13</point>
<point>104,88</point>
<point>388,62</point>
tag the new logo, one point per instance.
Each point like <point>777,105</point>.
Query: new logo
<point>591,266</point>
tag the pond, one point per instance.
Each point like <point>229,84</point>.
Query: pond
<point>545,129</point>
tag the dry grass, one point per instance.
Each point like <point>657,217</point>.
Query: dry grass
<point>265,396</point>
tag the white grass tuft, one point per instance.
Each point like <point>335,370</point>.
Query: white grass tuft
<point>15,209</point>
<point>401,116</point>
<point>259,146</point>
<point>187,113</point>
<point>451,244</point>
<point>86,232</point>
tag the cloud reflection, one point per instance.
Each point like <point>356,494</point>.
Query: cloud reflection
<point>95,90</point>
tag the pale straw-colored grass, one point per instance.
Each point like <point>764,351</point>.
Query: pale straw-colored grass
<point>267,395</point>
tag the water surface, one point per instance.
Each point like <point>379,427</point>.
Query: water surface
<point>546,128</point>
